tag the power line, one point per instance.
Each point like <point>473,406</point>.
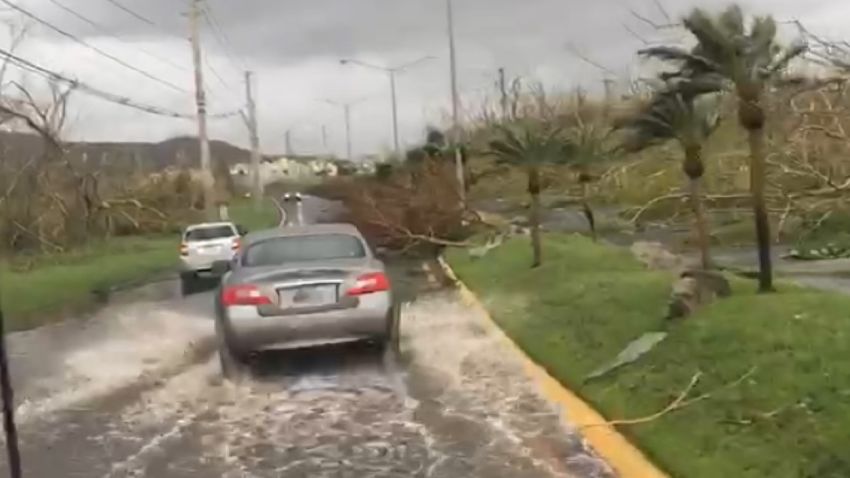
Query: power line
<point>92,47</point>
<point>111,97</point>
<point>222,38</point>
<point>133,14</point>
<point>106,31</point>
<point>215,73</point>
<point>148,21</point>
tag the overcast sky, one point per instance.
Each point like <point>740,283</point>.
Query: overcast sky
<point>294,46</point>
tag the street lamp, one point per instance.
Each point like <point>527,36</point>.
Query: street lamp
<point>391,71</point>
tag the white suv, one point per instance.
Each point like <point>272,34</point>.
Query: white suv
<point>201,246</point>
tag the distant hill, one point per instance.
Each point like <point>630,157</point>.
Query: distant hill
<point>126,156</point>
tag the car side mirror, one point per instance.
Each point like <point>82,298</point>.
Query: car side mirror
<point>219,268</point>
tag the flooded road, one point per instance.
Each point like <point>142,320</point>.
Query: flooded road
<point>135,391</point>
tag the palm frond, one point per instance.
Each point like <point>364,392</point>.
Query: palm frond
<point>732,21</point>
<point>687,58</point>
<point>529,143</point>
<point>672,115</point>
<point>782,61</point>
<point>713,42</point>
<point>726,51</point>
<point>762,37</point>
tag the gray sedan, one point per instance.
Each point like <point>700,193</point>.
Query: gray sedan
<point>302,286</point>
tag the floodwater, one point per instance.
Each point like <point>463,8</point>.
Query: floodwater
<point>135,390</point>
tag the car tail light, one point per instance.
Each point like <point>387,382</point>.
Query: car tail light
<point>369,283</point>
<point>184,249</point>
<point>237,244</point>
<point>243,294</point>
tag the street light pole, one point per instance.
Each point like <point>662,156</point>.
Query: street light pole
<point>459,169</point>
<point>346,110</point>
<point>348,132</point>
<point>391,71</point>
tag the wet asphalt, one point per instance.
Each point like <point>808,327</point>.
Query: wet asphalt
<point>135,391</point>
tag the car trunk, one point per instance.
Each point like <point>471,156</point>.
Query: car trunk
<point>210,247</point>
<point>307,288</point>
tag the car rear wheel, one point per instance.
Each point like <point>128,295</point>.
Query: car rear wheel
<point>188,284</point>
<point>392,339</point>
<point>233,366</point>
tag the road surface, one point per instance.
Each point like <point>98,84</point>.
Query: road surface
<point>135,391</point>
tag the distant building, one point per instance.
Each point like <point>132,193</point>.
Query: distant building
<point>285,169</point>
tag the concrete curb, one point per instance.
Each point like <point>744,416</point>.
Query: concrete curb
<point>613,447</point>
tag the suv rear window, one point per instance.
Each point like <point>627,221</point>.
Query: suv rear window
<point>209,233</point>
<point>307,248</point>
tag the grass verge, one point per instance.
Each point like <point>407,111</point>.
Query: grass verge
<point>788,419</point>
<point>68,282</point>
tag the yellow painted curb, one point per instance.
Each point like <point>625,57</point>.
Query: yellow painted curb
<point>613,447</point>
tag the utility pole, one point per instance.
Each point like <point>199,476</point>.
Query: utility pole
<point>201,102</point>
<point>288,136</point>
<point>346,110</point>
<point>503,90</point>
<point>256,180</point>
<point>461,176</point>
<point>325,139</point>
<point>395,115</point>
<point>609,95</point>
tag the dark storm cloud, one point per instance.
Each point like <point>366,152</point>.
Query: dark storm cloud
<point>284,31</point>
<point>292,30</point>
<point>297,44</point>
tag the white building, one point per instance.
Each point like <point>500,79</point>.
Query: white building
<point>284,169</point>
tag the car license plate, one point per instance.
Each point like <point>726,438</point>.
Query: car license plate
<point>308,296</point>
<point>210,250</point>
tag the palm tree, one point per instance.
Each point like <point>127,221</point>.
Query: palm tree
<point>672,114</point>
<point>587,145</point>
<point>531,145</point>
<point>730,56</point>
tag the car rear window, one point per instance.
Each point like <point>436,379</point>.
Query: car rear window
<point>306,248</point>
<point>209,233</point>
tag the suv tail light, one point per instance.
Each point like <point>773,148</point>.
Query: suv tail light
<point>184,249</point>
<point>370,283</point>
<point>243,294</point>
<point>237,244</point>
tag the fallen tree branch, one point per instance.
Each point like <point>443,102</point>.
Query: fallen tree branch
<point>26,231</point>
<point>135,203</point>
<point>681,196</point>
<point>424,237</point>
<point>678,403</point>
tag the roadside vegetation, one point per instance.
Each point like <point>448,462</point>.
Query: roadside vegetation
<point>759,382</point>
<point>739,140</point>
<point>72,227</point>
<point>41,288</point>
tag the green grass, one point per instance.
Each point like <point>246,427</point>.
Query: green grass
<point>245,214</point>
<point>67,282</point>
<point>789,419</point>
